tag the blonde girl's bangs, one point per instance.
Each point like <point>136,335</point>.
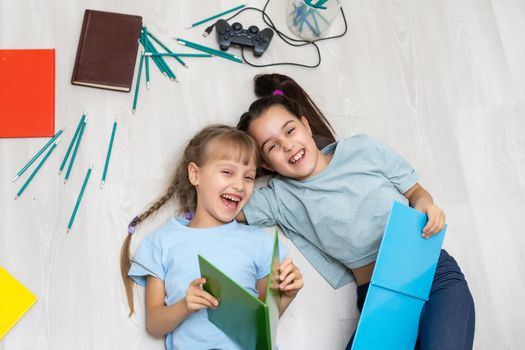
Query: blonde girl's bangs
<point>237,147</point>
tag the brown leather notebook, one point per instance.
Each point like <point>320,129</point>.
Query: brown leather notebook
<point>107,50</point>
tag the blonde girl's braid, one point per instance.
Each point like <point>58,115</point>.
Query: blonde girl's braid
<point>125,259</point>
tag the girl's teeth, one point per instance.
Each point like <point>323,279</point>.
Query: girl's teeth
<point>297,156</point>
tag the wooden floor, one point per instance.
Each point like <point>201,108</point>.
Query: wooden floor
<point>443,82</point>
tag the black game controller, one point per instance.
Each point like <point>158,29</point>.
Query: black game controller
<point>251,37</point>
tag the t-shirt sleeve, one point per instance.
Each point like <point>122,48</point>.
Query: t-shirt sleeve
<point>147,261</point>
<point>264,260</point>
<point>396,169</point>
<point>262,209</point>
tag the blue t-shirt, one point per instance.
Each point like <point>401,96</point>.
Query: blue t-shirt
<point>337,218</point>
<point>170,254</point>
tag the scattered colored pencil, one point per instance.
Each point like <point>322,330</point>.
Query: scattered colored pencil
<point>79,198</point>
<point>35,157</point>
<point>162,63</point>
<point>75,150</point>
<point>80,123</point>
<point>179,54</point>
<point>24,186</point>
<point>203,48</point>
<point>108,156</point>
<point>215,16</point>
<point>137,85</point>
<point>318,5</point>
<point>167,49</point>
<point>147,58</point>
<point>159,61</point>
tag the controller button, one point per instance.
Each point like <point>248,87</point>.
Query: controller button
<point>253,29</point>
<point>237,26</point>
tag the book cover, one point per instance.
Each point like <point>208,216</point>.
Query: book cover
<point>107,50</point>
<point>27,93</point>
<point>241,315</point>
<point>15,300</point>
<point>400,284</point>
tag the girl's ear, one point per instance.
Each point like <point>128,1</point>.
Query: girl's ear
<point>266,166</point>
<point>304,121</point>
<point>193,173</point>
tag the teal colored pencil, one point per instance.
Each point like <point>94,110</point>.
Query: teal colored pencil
<point>317,5</point>
<point>147,58</point>
<point>35,157</point>
<point>64,161</point>
<point>22,189</point>
<point>167,69</point>
<point>215,16</point>
<point>163,66</point>
<point>137,85</point>
<point>209,50</point>
<point>79,199</point>
<point>167,49</point>
<point>156,60</point>
<point>320,4</point>
<point>108,154</point>
<point>179,54</point>
<point>75,150</point>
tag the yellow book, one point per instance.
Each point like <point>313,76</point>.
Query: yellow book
<point>15,300</point>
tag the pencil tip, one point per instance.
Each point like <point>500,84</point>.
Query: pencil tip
<point>186,66</point>
<point>188,27</point>
<point>15,178</point>
<point>67,231</point>
<point>16,197</point>
<point>65,181</point>
<point>133,111</point>
<point>147,84</point>
<point>102,185</point>
<point>59,172</point>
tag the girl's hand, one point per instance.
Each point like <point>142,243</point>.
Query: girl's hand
<point>291,278</point>
<point>436,220</point>
<point>197,298</point>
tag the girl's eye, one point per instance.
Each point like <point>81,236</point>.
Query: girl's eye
<point>226,172</point>
<point>271,147</point>
<point>250,178</point>
<point>291,130</point>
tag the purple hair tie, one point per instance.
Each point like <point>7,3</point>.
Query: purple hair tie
<point>133,225</point>
<point>188,215</point>
<point>278,92</point>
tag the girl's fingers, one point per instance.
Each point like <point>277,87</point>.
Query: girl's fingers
<point>199,302</point>
<point>286,271</point>
<point>197,282</point>
<point>297,284</point>
<point>207,296</point>
<point>289,279</point>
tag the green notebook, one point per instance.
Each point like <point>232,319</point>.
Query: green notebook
<point>241,315</point>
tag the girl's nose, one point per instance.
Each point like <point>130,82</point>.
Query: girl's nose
<point>238,185</point>
<point>288,146</point>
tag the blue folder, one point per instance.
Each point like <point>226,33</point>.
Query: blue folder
<point>400,284</point>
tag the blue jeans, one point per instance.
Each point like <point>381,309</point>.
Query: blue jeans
<point>448,317</point>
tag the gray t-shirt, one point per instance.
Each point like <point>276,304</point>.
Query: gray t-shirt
<point>337,218</point>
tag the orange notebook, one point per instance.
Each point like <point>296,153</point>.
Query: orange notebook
<point>27,93</point>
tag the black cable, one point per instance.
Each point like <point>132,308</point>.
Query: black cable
<point>288,40</point>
